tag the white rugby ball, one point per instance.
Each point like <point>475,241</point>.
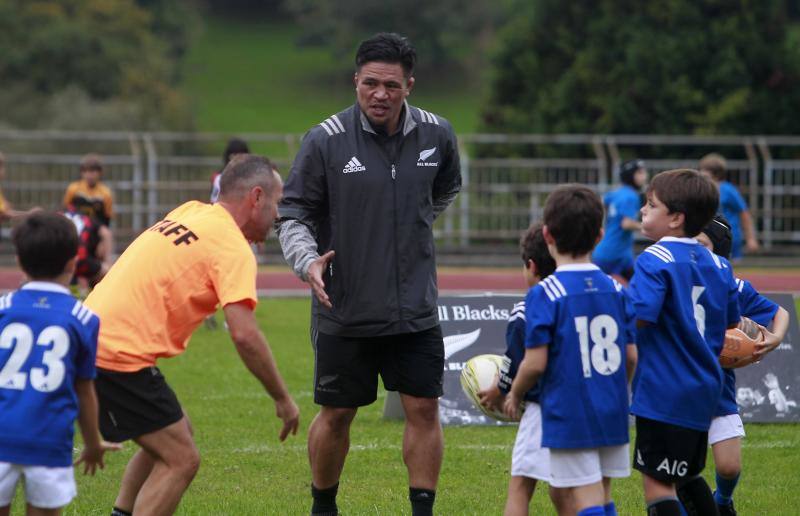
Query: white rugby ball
<point>479,373</point>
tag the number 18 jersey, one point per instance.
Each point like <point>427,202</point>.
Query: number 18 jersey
<point>584,318</point>
<point>48,339</point>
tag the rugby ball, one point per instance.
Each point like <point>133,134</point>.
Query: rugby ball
<point>740,344</point>
<point>479,373</point>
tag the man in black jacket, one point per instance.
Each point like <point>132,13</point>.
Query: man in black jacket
<point>356,223</point>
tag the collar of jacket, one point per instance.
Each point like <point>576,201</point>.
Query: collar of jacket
<point>408,121</point>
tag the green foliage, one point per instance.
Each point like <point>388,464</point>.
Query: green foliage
<point>444,32</point>
<point>248,76</point>
<point>665,66</point>
<point>109,50</point>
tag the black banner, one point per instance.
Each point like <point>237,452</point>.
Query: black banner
<point>767,392</point>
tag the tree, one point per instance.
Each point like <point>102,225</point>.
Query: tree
<point>663,66</point>
<point>106,53</point>
<point>444,33</point>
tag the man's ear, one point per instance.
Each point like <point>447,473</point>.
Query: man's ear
<point>409,85</point>
<point>355,79</point>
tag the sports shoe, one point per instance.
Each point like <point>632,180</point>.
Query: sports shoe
<point>726,510</point>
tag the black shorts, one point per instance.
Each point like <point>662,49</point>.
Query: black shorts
<point>346,369</point>
<point>669,453</point>
<point>134,404</point>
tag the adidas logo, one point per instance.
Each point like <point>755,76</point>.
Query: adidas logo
<point>353,166</point>
<point>427,153</point>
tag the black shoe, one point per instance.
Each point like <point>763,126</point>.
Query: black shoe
<point>726,510</point>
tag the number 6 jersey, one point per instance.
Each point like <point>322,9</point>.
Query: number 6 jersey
<point>688,297</point>
<point>584,318</point>
<point>48,339</point>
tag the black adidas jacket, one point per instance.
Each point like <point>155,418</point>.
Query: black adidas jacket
<point>373,200</point>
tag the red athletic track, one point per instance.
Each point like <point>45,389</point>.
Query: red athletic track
<point>465,280</point>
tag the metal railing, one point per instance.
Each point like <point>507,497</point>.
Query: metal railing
<point>506,178</point>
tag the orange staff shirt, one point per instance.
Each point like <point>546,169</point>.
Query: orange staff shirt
<point>167,281</point>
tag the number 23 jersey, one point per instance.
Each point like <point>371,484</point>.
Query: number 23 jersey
<point>48,339</point>
<point>584,318</point>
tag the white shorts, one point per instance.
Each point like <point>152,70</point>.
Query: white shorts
<point>45,487</point>
<point>529,459</point>
<point>580,467</point>
<point>724,428</point>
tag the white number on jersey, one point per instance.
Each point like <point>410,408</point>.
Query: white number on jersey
<point>699,310</point>
<point>20,337</point>
<point>605,356</point>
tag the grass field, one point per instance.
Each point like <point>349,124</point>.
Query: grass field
<point>245,76</point>
<point>246,471</point>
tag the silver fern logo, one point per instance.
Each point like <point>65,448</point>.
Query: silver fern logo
<point>455,343</point>
<point>424,155</point>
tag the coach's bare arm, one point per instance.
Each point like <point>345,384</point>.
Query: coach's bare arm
<point>254,350</point>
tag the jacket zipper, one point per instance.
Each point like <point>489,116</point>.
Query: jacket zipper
<point>396,251</point>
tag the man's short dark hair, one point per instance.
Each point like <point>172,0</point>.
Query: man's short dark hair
<point>235,146</point>
<point>715,164</point>
<point>686,191</point>
<point>45,242</point>
<point>534,247</point>
<point>573,215</point>
<point>244,172</point>
<point>387,47</point>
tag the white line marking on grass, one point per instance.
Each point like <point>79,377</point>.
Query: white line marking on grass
<point>770,444</point>
<point>265,448</point>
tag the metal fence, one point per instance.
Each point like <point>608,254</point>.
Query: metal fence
<point>506,177</point>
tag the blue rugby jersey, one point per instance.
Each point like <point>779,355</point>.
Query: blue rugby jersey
<point>617,243</point>
<point>583,316</point>
<point>732,204</point>
<point>48,339</point>
<point>515,352</point>
<point>689,297</point>
<point>759,309</point>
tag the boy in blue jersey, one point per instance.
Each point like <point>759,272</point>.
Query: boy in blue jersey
<point>731,204</point>
<point>614,253</point>
<point>48,341</point>
<point>578,328</point>
<point>726,431</point>
<point>685,298</point>
<point>530,462</point>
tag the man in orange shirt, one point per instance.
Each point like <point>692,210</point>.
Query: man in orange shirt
<point>159,290</point>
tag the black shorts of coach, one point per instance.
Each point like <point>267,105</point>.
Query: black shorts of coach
<point>669,453</point>
<point>134,404</point>
<point>346,369</point>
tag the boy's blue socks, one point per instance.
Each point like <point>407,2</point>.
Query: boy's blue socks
<point>725,486</point>
<point>597,510</point>
<point>610,509</point>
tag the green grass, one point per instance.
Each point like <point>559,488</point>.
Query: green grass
<point>246,471</point>
<point>245,76</point>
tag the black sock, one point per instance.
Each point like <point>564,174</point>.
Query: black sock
<point>116,511</point>
<point>696,497</point>
<point>421,501</point>
<point>664,507</point>
<point>324,500</point>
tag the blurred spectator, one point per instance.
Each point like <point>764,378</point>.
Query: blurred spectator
<point>731,204</point>
<point>235,146</point>
<point>94,247</point>
<point>6,210</point>
<point>614,253</point>
<point>90,195</point>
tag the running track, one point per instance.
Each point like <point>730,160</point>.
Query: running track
<point>281,282</point>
